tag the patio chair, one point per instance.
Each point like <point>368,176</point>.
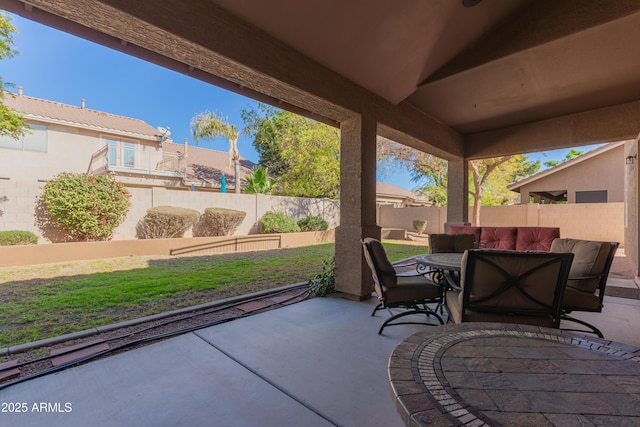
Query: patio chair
<point>411,293</point>
<point>510,287</point>
<point>587,277</point>
<point>451,243</point>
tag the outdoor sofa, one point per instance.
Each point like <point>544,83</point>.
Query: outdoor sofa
<point>511,238</point>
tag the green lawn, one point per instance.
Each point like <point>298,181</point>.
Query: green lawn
<point>43,301</point>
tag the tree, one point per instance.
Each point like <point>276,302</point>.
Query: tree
<point>570,155</point>
<point>490,177</point>
<point>427,171</point>
<point>210,125</point>
<point>263,123</point>
<point>303,154</point>
<point>12,124</point>
<point>487,176</point>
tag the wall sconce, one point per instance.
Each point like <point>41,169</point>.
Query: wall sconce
<point>630,159</point>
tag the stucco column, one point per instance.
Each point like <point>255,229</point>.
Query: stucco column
<point>457,193</point>
<point>357,205</point>
<point>632,203</point>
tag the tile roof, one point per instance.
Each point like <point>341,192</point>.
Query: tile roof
<point>385,188</point>
<point>70,115</point>
<point>207,166</point>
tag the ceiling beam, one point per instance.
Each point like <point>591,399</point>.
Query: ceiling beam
<point>536,23</point>
<point>610,124</point>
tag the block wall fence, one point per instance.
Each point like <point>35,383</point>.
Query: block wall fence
<point>18,205</point>
<point>587,221</point>
<point>597,221</point>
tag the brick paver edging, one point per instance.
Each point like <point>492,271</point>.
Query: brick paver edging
<point>486,374</point>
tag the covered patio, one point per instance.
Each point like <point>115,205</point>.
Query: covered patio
<point>461,80</point>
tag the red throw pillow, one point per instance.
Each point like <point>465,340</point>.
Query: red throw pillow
<point>498,238</point>
<point>536,238</point>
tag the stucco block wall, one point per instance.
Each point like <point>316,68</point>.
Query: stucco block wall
<point>17,204</point>
<point>73,251</point>
<point>392,217</point>
<point>19,207</point>
<point>588,221</point>
<point>497,216</point>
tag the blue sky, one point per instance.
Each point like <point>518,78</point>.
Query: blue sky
<point>59,67</point>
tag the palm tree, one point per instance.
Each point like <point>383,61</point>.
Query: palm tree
<point>211,125</point>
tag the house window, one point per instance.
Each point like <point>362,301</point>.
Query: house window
<point>129,151</point>
<point>121,153</point>
<point>598,196</point>
<point>112,152</point>
<point>34,140</point>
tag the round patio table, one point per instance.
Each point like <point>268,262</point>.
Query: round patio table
<point>448,266</point>
<point>444,261</point>
<point>491,374</point>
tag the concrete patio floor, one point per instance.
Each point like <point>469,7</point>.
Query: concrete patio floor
<point>319,362</point>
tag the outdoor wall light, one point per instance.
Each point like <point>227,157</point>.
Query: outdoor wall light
<point>630,159</point>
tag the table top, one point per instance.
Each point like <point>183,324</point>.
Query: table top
<point>479,374</point>
<point>445,261</point>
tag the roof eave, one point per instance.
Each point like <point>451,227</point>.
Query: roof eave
<point>154,138</point>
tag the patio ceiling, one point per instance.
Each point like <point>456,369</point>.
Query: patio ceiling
<point>501,77</point>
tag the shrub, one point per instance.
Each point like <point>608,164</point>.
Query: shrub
<point>419,225</point>
<point>324,283</point>
<point>277,222</point>
<point>219,222</point>
<point>163,222</point>
<point>86,207</point>
<point>313,223</point>
<point>17,237</point>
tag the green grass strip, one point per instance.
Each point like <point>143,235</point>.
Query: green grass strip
<point>48,300</point>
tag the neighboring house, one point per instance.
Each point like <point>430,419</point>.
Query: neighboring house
<point>389,194</point>
<point>593,177</point>
<point>67,138</point>
<point>205,167</point>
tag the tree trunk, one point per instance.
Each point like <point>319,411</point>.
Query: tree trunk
<point>477,201</point>
<point>236,164</point>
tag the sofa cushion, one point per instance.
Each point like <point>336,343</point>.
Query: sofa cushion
<point>536,238</point>
<point>498,237</point>
<point>466,229</point>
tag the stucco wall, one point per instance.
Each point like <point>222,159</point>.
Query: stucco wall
<point>603,172</point>
<point>588,221</point>
<point>19,207</point>
<point>393,217</point>
<point>11,256</point>
<point>69,150</point>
